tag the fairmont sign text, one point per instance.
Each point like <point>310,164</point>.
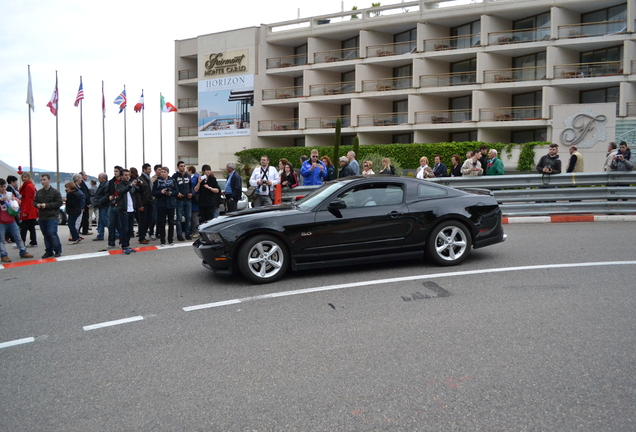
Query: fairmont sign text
<point>226,63</point>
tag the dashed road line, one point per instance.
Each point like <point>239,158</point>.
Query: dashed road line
<point>16,342</point>
<point>113,323</point>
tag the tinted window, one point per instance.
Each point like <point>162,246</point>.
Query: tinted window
<point>372,195</point>
<point>427,191</point>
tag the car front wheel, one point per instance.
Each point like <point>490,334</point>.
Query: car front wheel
<point>263,259</point>
<point>449,243</point>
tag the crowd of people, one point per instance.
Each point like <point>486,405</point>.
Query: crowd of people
<point>161,203</point>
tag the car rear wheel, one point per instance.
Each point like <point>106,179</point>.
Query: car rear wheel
<point>449,243</point>
<point>61,218</point>
<point>263,259</point>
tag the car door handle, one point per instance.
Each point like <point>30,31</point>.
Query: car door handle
<point>395,214</point>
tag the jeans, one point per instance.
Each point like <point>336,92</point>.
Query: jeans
<point>126,221</point>
<point>114,223</point>
<point>51,239</point>
<point>153,221</point>
<point>195,222</point>
<point>12,229</point>
<point>162,215</point>
<point>102,221</point>
<point>72,226</point>
<point>144,220</point>
<point>184,208</point>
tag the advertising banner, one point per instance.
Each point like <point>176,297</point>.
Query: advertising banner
<point>224,106</point>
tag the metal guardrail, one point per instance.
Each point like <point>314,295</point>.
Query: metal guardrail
<point>537,195</point>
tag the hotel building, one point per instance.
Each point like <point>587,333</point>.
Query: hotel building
<point>423,71</point>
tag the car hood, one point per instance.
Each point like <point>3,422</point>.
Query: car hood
<point>250,214</point>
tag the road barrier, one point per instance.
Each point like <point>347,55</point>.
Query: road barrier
<point>542,195</point>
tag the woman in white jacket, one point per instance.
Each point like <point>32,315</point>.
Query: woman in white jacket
<point>420,174</point>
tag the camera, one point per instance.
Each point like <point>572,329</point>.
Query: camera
<point>264,188</point>
<point>204,177</point>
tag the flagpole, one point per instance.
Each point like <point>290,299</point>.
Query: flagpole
<point>81,130</point>
<point>104,125</point>
<point>30,92</point>
<point>160,134</point>
<point>125,145</point>
<point>57,135</point>
<point>143,133</point>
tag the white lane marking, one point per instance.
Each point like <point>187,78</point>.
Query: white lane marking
<point>403,279</point>
<point>16,342</point>
<point>529,219</point>
<point>82,256</point>
<point>112,323</point>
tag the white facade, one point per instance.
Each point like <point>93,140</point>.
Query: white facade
<point>420,71</point>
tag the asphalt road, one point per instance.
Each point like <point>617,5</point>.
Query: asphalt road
<point>492,345</point>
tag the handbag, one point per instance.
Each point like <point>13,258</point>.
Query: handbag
<point>250,191</point>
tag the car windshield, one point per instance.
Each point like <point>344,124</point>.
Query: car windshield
<point>319,195</point>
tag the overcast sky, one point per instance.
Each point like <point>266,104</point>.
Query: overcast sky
<point>122,43</point>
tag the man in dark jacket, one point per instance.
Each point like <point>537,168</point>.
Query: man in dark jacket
<point>345,168</point>
<point>113,213</point>
<point>550,163</point>
<point>439,169</point>
<point>233,188</point>
<point>101,203</point>
<point>83,186</point>
<point>164,189</point>
<point>184,201</point>
<point>143,205</point>
<point>48,200</point>
<point>126,209</point>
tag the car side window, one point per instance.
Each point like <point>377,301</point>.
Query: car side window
<point>428,191</point>
<point>371,195</point>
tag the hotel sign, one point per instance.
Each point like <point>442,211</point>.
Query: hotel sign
<point>226,63</point>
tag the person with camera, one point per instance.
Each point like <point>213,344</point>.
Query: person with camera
<point>472,167</point>
<point>313,170</point>
<point>184,201</point>
<point>126,189</point>
<point>622,159</point>
<point>209,195</point>
<point>165,191</point>
<point>550,163</point>
<point>113,214</point>
<point>264,178</point>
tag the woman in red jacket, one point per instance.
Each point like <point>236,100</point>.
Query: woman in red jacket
<point>28,212</point>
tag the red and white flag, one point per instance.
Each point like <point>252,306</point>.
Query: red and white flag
<point>167,106</point>
<point>54,99</point>
<point>140,105</point>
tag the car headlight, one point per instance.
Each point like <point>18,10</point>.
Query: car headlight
<point>210,237</point>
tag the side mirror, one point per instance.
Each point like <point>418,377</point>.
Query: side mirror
<point>337,205</point>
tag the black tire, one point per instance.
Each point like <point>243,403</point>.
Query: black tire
<point>263,259</point>
<point>61,218</point>
<point>449,243</point>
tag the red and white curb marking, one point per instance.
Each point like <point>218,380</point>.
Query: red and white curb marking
<point>569,218</point>
<point>29,262</point>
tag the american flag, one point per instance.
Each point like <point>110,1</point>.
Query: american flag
<point>80,93</point>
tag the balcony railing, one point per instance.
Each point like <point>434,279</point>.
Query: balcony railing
<point>387,84</point>
<point>336,55</point>
<point>277,125</point>
<point>519,36</point>
<point>392,49</point>
<point>287,61</point>
<point>443,116</point>
<point>187,74</point>
<point>448,79</point>
<point>332,88</point>
<point>188,131</point>
<point>386,119</point>
<point>327,122</point>
<point>582,70</point>
<point>283,93</point>
<point>187,103</point>
<point>510,113</point>
<point>603,28</point>
<point>189,160</point>
<point>514,74</point>
<point>453,42</point>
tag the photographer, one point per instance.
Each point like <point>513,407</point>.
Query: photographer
<point>622,159</point>
<point>550,163</point>
<point>209,195</point>
<point>264,178</point>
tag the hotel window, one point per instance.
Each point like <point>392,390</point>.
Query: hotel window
<point>301,52</point>
<point>615,17</point>
<point>461,108</point>
<point>463,136</point>
<point>467,35</point>
<point>405,42</point>
<point>465,66</point>
<point>351,47</point>
<point>403,76</point>
<point>612,57</point>
<point>345,112</point>
<point>531,67</point>
<point>531,100</point>
<point>400,109</point>
<point>299,142</point>
<point>298,82</point>
<point>347,140</point>
<point>350,79</point>
<point>538,27</point>
<point>402,138</point>
<point>603,95</point>
<point>526,136</point>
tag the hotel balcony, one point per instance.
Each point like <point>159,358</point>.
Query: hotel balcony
<point>186,103</point>
<point>510,113</point>
<point>283,93</point>
<point>187,74</point>
<point>326,122</point>
<point>387,84</point>
<point>277,125</point>
<point>519,36</point>
<point>631,109</point>
<point>583,70</point>
<point>287,61</point>
<point>448,79</point>
<point>443,116</point>
<point>603,28</point>
<point>330,89</point>
<point>392,49</point>
<point>386,119</point>
<point>514,74</point>
<point>452,43</point>
<point>188,131</point>
<point>336,55</point>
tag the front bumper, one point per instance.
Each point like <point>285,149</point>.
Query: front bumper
<point>213,256</point>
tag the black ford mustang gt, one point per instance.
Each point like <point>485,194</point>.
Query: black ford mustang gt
<point>352,220</point>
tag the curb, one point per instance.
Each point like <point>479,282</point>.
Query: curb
<point>88,255</point>
<point>569,218</point>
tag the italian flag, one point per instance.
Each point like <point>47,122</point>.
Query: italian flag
<point>167,106</point>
